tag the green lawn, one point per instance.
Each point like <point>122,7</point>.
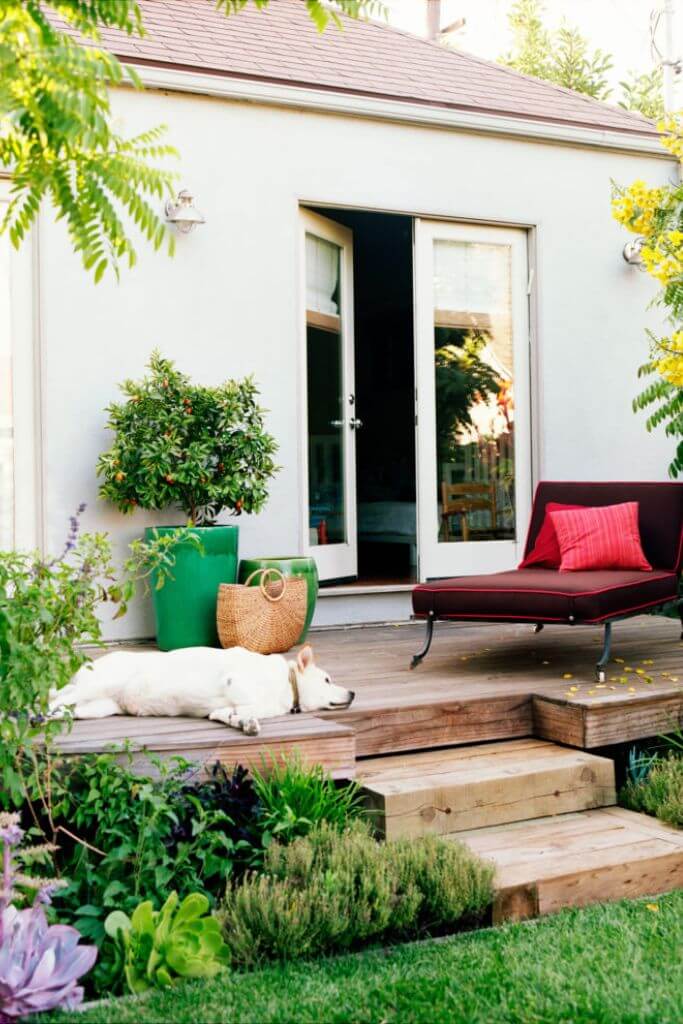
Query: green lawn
<point>620,962</point>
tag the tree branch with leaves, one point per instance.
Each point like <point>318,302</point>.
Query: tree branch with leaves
<point>57,139</point>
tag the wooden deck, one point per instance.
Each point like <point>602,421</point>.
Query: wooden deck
<point>478,683</point>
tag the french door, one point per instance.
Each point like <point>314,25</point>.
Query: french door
<point>329,505</point>
<point>473,397</point>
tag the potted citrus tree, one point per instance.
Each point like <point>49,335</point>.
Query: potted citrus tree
<point>205,451</point>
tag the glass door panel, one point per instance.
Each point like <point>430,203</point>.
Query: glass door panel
<point>329,529</point>
<point>473,395</point>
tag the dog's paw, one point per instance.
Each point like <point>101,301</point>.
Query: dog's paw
<point>251,727</point>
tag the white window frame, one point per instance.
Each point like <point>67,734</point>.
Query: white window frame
<point>19,297</point>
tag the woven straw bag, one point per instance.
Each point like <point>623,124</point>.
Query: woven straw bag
<point>267,619</point>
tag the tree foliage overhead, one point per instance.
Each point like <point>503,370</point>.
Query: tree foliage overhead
<point>564,57</point>
<point>56,134</point>
<point>644,93</point>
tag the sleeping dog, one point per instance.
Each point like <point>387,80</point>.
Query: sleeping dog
<point>234,686</point>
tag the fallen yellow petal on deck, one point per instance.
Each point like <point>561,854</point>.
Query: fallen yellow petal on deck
<point>619,661</point>
<point>568,675</point>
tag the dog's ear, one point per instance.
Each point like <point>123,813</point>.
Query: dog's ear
<point>304,658</point>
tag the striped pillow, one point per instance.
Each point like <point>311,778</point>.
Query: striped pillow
<point>606,537</point>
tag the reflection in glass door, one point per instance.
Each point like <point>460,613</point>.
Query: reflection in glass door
<point>330,524</point>
<point>473,397</point>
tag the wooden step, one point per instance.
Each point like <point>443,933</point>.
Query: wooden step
<point>597,716</point>
<point>203,742</point>
<point>576,859</point>
<point>443,791</point>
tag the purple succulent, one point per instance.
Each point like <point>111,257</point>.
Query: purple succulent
<point>40,964</point>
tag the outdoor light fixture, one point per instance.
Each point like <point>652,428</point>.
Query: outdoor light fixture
<point>632,252</point>
<point>183,213</point>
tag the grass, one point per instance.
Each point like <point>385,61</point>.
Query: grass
<point>602,965</point>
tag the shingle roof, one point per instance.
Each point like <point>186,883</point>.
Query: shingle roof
<point>281,44</point>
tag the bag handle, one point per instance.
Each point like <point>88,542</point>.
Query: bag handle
<point>264,574</point>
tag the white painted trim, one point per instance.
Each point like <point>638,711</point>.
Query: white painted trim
<point>25,387</point>
<point>349,589</point>
<point>334,561</point>
<point>457,558</point>
<point>396,110</point>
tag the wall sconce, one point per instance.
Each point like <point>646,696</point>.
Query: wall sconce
<point>183,213</point>
<point>632,252</point>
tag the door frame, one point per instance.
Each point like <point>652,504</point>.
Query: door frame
<point>20,316</point>
<point>334,561</point>
<point>440,558</point>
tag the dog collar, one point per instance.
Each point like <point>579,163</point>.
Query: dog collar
<point>294,683</point>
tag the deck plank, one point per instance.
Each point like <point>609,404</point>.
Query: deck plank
<point>477,684</point>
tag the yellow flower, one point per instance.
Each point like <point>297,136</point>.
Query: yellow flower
<point>653,907</point>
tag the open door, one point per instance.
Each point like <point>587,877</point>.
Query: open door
<point>473,395</point>
<point>330,421</point>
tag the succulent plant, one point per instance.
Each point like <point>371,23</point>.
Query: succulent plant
<point>40,964</point>
<point>157,948</point>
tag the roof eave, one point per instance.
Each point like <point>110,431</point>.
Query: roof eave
<point>388,108</point>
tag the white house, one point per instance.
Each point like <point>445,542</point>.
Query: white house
<point>413,252</point>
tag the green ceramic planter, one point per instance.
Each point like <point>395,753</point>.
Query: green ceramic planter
<point>185,607</point>
<point>297,565</point>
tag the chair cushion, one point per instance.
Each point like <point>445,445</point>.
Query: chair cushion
<point>546,550</point>
<point>660,513</point>
<point>545,595</point>
<point>606,537</point>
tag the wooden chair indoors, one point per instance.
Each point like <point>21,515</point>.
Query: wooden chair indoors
<point>462,499</point>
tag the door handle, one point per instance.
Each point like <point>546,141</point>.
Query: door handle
<point>355,423</point>
<point>336,423</point>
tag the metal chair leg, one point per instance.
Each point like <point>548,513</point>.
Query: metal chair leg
<point>417,658</point>
<point>604,657</point>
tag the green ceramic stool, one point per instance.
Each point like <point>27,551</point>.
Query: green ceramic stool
<point>297,565</point>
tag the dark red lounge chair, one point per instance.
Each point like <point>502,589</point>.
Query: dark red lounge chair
<point>547,596</point>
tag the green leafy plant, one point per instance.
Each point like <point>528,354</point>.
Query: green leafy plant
<point>48,606</point>
<point>200,449</point>
<point>334,890</point>
<point>644,92</point>
<point>295,797</point>
<point>655,215</point>
<point>563,57</point>
<point>660,792</point>
<point>158,948</point>
<point>57,139</point>
<point>124,834</point>
<point>48,616</point>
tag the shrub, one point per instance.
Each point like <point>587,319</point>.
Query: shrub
<point>158,948</point>
<point>333,890</point>
<point>179,445</point>
<point>294,797</point>
<point>137,836</point>
<point>660,793</point>
<point>47,607</point>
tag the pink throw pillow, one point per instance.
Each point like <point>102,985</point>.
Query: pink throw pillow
<point>546,550</point>
<point>605,537</point>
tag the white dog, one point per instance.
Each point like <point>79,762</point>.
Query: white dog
<point>234,686</point>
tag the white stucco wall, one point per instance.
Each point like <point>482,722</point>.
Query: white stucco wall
<point>228,303</point>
